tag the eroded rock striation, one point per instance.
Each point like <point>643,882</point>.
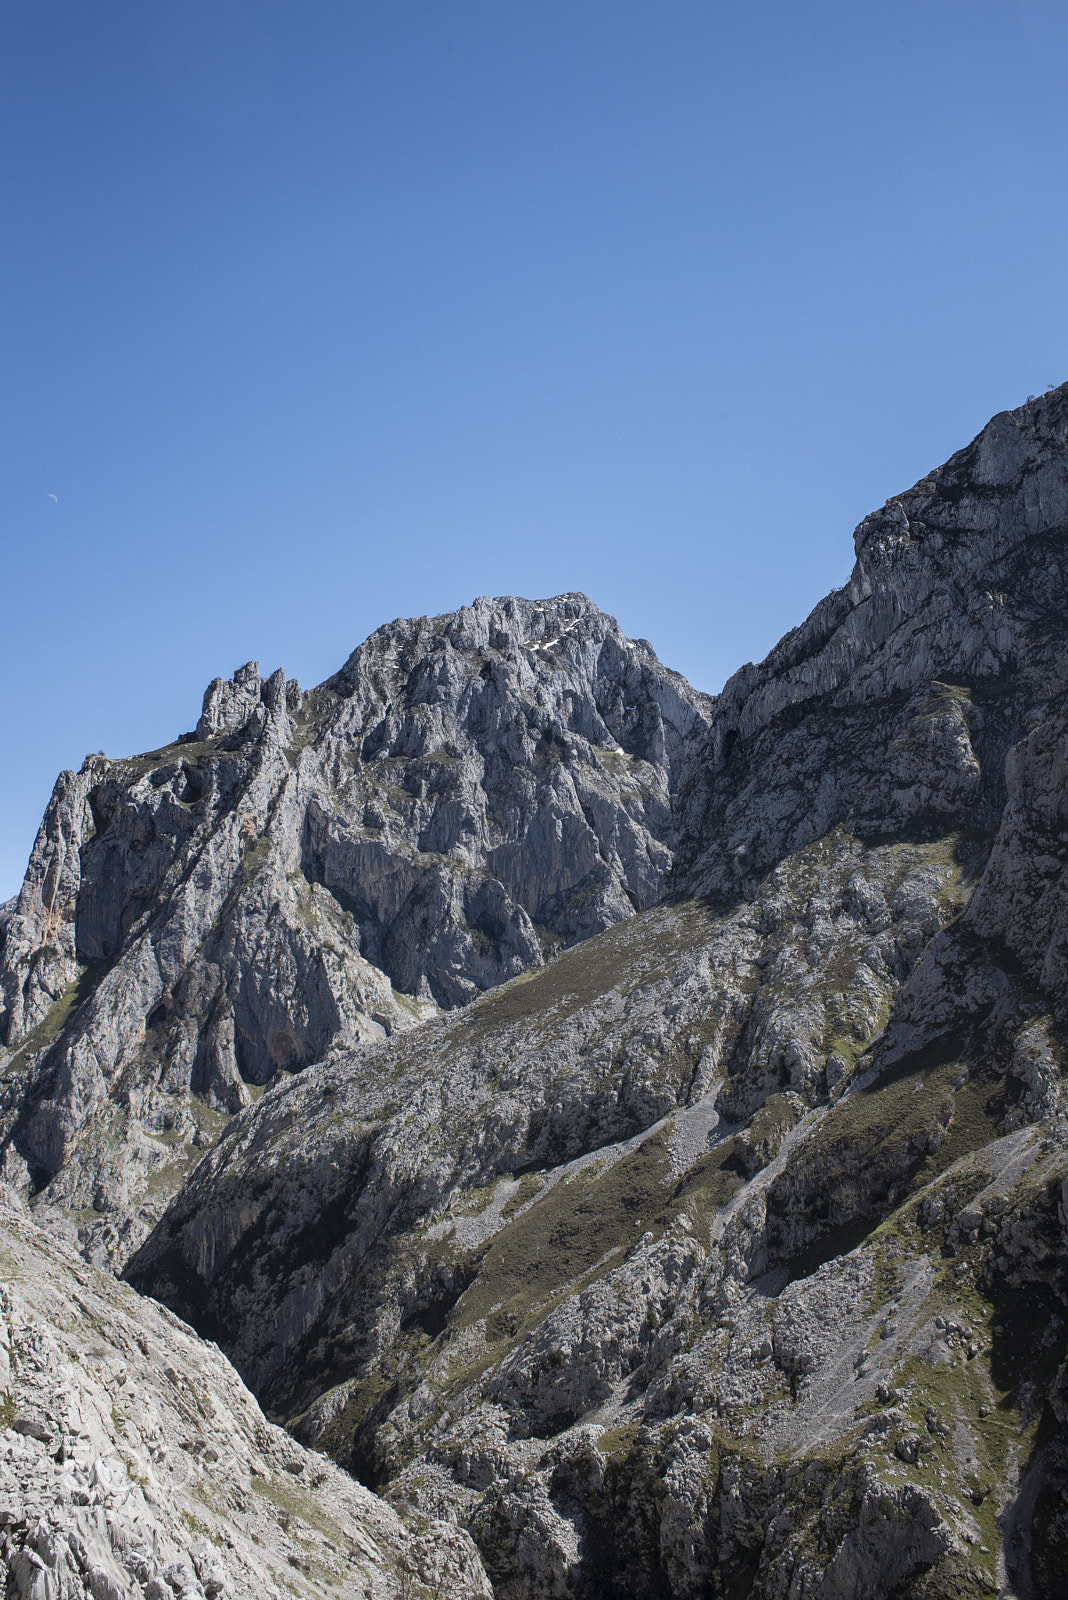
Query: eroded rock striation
<point>305,872</point>
<point>727,1254</point>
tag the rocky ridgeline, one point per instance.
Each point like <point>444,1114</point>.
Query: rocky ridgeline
<point>707,1255</point>
<point>725,1252</point>
<point>305,872</point>
<point>893,707</point>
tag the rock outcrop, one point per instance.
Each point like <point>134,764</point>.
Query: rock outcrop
<point>307,872</point>
<point>134,1462</point>
<point>727,1253</point>
<point>893,706</point>
<point>631,1127</point>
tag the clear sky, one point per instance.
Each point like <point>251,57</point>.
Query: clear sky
<point>316,314</point>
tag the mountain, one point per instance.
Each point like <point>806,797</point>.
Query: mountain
<point>303,872</point>
<point>894,705</point>
<point>712,1241</point>
<point>660,1267</point>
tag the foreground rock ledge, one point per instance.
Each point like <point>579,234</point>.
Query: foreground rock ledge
<point>134,1462</point>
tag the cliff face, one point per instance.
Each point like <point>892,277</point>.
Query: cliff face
<point>504,778</point>
<point>720,1251</point>
<point>725,1252</point>
<point>468,795</point>
<point>895,704</point>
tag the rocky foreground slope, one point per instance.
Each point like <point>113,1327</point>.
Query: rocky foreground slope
<point>134,1462</point>
<point>727,1253</point>
<point>469,794</point>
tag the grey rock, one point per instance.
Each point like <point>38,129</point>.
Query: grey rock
<point>895,703</point>
<point>230,704</point>
<point>312,872</point>
<point>134,1500</point>
<point>668,1265</point>
<point>1021,899</point>
<point>597,1266</point>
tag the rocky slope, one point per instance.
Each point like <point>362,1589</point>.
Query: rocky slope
<point>133,1461</point>
<point>726,1254</point>
<point>469,794</point>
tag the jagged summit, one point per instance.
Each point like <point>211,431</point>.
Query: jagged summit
<point>245,701</point>
<point>467,795</point>
<point>503,623</point>
<point>722,1251</point>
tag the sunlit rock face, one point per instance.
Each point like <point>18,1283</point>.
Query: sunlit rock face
<point>305,872</point>
<point>134,1462</point>
<point>725,1253</point>
<point>628,1126</point>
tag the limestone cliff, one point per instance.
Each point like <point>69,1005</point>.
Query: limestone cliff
<point>678,1206</point>
<point>134,1462</point>
<point>726,1254</point>
<point>894,705</point>
<point>468,795</point>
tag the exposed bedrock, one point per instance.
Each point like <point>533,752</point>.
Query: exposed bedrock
<point>134,1462</point>
<point>895,703</point>
<point>312,872</point>
<point>726,1253</point>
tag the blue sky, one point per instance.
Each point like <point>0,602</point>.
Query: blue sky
<point>320,314</point>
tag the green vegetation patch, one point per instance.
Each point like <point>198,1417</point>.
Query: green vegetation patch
<point>579,1223</point>
<point>61,1011</point>
<point>618,1442</point>
<point>255,856</point>
<point>529,1186</point>
<point>473,1202</point>
<point>486,947</point>
<point>898,1114</point>
<point>292,1500</point>
<point>638,951</point>
<point>131,768</point>
<point>978,1110</point>
<point>882,1144</point>
<point>707,1186</point>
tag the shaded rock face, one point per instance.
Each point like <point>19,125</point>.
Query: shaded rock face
<point>895,703</point>
<point>1022,899</point>
<point>308,872</point>
<point>715,1256</point>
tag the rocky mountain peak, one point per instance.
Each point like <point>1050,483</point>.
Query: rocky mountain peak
<point>470,794</point>
<point>246,701</point>
<point>568,663</point>
<point>504,625</point>
<point>725,1253</point>
<point>720,1251</point>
